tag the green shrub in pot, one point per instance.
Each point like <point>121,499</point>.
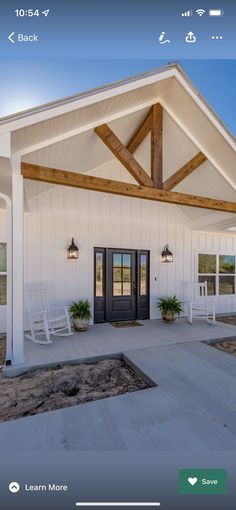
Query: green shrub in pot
<point>80,314</point>
<point>169,307</point>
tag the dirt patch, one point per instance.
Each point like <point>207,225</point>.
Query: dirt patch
<point>227,319</point>
<point>2,351</point>
<point>65,385</point>
<point>226,346</point>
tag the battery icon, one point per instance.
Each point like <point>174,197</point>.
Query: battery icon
<point>216,12</point>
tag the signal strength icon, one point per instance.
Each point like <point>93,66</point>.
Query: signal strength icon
<point>200,12</point>
<point>187,13</point>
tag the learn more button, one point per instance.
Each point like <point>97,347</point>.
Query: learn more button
<point>203,481</point>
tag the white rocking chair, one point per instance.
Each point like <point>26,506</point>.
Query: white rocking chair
<point>44,320</point>
<point>199,305</point>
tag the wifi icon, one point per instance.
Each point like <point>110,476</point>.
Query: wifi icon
<point>200,12</point>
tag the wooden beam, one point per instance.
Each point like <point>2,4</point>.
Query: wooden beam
<point>157,146</point>
<point>123,155</point>
<point>183,172</point>
<point>141,133</point>
<point>61,177</point>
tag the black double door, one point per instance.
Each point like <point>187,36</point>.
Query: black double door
<point>121,284</point>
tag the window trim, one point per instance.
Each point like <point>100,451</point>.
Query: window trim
<point>217,274</point>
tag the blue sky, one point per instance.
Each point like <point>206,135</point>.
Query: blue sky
<point>27,83</point>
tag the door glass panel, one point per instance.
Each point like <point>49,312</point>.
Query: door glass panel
<point>99,274</point>
<point>117,289</point>
<point>117,274</point>
<point>116,259</point>
<point>126,274</point>
<point>3,290</point>
<point>3,257</point>
<point>126,260</point>
<point>126,289</point>
<point>121,272</point>
<point>143,275</point>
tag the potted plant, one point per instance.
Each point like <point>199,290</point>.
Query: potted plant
<point>169,307</point>
<point>80,314</point>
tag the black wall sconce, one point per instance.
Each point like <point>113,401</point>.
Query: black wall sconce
<point>73,251</point>
<point>166,255</point>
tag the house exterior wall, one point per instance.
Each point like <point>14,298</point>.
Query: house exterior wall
<point>103,220</point>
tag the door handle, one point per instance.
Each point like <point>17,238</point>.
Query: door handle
<point>134,288</point>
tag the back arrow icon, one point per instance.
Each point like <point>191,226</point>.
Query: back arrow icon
<point>10,38</point>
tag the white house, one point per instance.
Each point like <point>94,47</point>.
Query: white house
<point>125,169</point>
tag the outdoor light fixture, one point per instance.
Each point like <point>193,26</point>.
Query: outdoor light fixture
<point>73,251</point>
<point>166,255</point>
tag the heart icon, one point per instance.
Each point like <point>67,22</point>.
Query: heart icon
<point>192,481</point>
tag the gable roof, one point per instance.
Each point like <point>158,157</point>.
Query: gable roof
<point>61,133</point>
<point>70,103</point>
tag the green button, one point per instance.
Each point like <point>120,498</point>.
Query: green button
<point>203,481</point>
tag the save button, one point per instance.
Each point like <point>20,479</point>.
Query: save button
<point>203,481</point>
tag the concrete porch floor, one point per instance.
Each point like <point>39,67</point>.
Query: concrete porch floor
<point>104,339</point>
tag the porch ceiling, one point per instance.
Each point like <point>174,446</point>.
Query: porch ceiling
<point>82,119</point>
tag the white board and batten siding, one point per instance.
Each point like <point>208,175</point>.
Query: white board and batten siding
<point>102,220</point>
<point>219,244</point>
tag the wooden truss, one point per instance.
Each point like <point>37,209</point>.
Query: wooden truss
<point>148,187</point>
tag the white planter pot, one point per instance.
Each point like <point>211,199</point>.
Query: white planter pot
<point>80,324</point>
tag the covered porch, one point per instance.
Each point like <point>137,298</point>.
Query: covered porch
<point>129,166</point>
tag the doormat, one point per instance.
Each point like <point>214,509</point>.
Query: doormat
<point>126,324</point>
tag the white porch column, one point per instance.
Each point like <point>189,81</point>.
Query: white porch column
<point>17,262</point>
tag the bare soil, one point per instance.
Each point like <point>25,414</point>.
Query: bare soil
<point>2,351</point>
<point>226,346</point>
<point>48,389</point>
<point>227,319</point>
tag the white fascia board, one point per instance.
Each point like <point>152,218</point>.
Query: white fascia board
<point>201,102</point>
<point>86,99</point>
<point>5,145</point>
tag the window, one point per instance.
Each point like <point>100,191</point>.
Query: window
<point>3,274</point>
<point>207,267</point>
<point>218,271</point>
<point>226,274</point>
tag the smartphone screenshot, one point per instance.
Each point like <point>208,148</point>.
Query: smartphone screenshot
<point>117,254</point>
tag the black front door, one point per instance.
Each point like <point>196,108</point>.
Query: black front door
<point>121,284</point>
